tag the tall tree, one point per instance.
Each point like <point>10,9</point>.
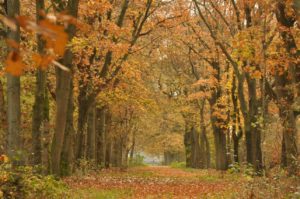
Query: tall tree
<point>63,79</point>
<point>39,117</point>
<point>13,93</point>
<point>288,87</point>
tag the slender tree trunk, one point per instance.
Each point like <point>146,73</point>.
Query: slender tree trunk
<point>195,153</point>
<point>40,93</point>
<point>207,149</point>
<point>67,155</point>
<point>13,96</point>
<point>283,152</point>
<point>63,81</point>
<point>108,150</point>
<point>91,131</point>
<point>82,122</point>
<point>237,132</point>
<point>46,139</point>
<point>204,146</point>
<point>132,146</point>
<point>188,146</point>
<point>101,139</point>
<point>3,120</point>
<point>108,141</point>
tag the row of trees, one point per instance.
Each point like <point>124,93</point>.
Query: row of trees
<point>164,72</point>
<point>97,83</point>
<point>244,58</point>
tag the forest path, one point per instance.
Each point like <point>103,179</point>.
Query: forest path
<point>155,182</point>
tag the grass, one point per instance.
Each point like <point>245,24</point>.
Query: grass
<point>178,165</point>
<point>102,193</point>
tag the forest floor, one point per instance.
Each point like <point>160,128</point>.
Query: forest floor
<point>156,182</point>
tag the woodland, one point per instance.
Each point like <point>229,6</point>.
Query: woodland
<point>149,99</point>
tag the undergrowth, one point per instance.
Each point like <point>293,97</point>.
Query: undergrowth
<point>24,182</point>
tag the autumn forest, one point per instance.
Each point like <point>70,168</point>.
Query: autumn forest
<point>149,99</point>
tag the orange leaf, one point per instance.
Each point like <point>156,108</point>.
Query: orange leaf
<point>42,61</point>
<point>14,64</point>
<point>59,40</point>
<point>23,22</point>
<point>12,43</point>
<point>256,74</point>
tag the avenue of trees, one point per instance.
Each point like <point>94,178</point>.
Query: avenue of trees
<point>91,83</point>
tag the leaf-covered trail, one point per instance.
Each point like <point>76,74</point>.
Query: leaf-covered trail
<point>154,182</point>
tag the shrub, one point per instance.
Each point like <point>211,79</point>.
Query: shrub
<point>23,182</point>
<point>178,165</point>
<point>138,160</point>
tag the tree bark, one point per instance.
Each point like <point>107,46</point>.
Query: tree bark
<point>195,149</point>
<point>100,136</point>
<point>67,155</point>
<point>38,120</point>
<point>108,141</point>
<point>219,133</point>
<point>63,81</point>
<point>83,108</point>
<point>13,96</point>
<point>188,146</point>
<point>286,83</point>
<point>3,120</point>
<point>237,132</point>
<point>204,144</point>
<point>289,143</point>
<point>253,133</point>
<point>132,148</point>
<point>91,133</point>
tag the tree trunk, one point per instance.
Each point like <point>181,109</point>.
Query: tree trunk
<point>188,146</point>
<point>108,141</point>
<point>67,155</point>
<point>91,133</point>
<point>283,152</point>
<point>40,93</point>
<point>63,81</point>
<point>204,144</point>
<point>253,133</point>
<point>195,153</point>
<point>108,154</point>
<point>219,133</point>
<point>286,82</point>
<point>46,139</point>
<point>13,96</point>
<point>3,120</point>
<point>82,121</point>
<point>101,117</point>
<point>237,132</point>
<point>207,149</point>
<point>220,147</point>
<point>289,143</point>
<point>132,146</point>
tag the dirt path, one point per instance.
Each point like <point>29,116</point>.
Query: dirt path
<point>153,182</point>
